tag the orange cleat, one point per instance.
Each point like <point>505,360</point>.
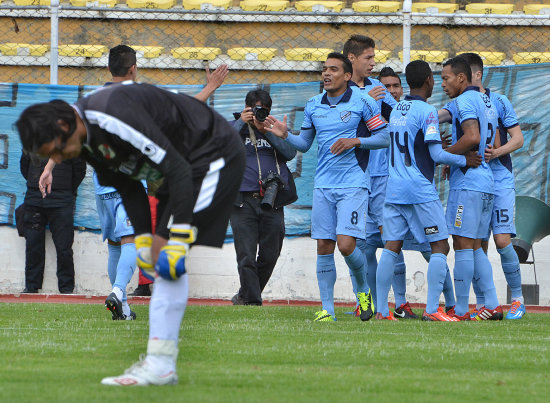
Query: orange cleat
<point>439,316</point>
<point>389,317</point>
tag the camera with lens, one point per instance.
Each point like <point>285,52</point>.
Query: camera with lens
<point>271,184</point>
<point>260,113</point>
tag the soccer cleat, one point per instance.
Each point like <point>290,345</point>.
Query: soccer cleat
<point>474,313</point>
<point>113,304</point>
<point>490,314</point>
<point>389,317</point>
<point>517,310</point>
<point>141,374</point>
<point>439,316</point>
<point>142,290</point>
<point>132,316</point>
<point>323,316</point>
<point>237,300</point>
<point>450,309</point>
<point>451,313</point>
<point>366,306</point>
<point>405,312</point>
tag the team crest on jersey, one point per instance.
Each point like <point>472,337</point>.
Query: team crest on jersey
<point>458,217</point>
<point>345,116</point>
<point>107,151</point>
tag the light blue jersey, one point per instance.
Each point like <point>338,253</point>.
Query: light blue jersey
<point>103,190</point>
<point>331,122</point>
<point>413,125</point>
<point>378,159</point>
<point>502,166</point>
<point>472,104</point>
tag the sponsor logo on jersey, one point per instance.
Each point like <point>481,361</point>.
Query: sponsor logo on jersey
<point>458,217</point>
<point>431,230</point>
<point>106,151</point>
<point>432,120</point>
<point>345,116</point>
<point>404,107</point>
<point>431,130</point>
<point>401,121</point>
<point>486,100</point>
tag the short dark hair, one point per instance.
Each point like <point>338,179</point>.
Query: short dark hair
<point>474,60</point>
<point>388,72</point>
<point>459,65</point>
<point>121,58</point>
<point>357,44</point>
<point>417,72</point>
<point>262,96</point>
<point>348,67</point>
<point>37,124</point>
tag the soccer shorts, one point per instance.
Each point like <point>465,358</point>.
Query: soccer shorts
<point>503,216</point>
<point>339,212</point>
<point>376,199</point>
<point>469,213</point>
<point>113,218</point>
<point>425,221</point>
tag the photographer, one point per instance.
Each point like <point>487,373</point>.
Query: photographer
<point>257,219</point>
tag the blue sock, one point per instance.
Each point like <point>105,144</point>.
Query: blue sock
<point>484,270</point>
<point>125,268</point>
<point>510,266</point>
<point>326,278</point>
<point>463,273</point>
<point>437,270</point>
<point>112,261</point>
<point>384,275</point>
<point>372,265</point>
<point>448,291</point>
<point>480,298</point>
<point>357,268</point>
<point>399,281</point>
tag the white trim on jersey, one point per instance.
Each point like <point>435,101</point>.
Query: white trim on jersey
<point>127,133</point>
<point>209,185</point>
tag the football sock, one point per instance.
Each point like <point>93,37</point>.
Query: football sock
<point>437,271</point>
<point>162,355</point>
<point>384,275</point>
<point>326,278</point>
<point>357,267</point>
<point>484,271</point>
<point>126,308</point>
<point>463,273</point>
<point>480,298</point>
<point>510,265</point>
<point>167,307</point>
<point>399,281</point>
<point>112,261</point>
<point>126,266</point>
<point>448,290</point>
<point>372,264</point>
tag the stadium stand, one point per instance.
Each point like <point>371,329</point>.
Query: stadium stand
<point>434,8</point>
<point>94,3</point>
<point>489,58</point>
<point>14,49</point>
<point>381,56</point>
<point>489,8</point>
<point>319,6</point>
<point>149,52</point>
<point>376,6</point>
<point>264,5</point>
<point>264,54</point>
<point>156,4</point>
<point>32,2</point>
<point>206,4</point>
<point>534,9</point>
<point>195,53</point>
<point>430,56</point>
<point>531,57</point>
<point>82,50</point>
<point>307,54</point>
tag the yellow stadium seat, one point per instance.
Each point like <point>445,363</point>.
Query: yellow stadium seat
<point>11,49</point>
<point>149,52</point>
<point>264,5</point>
<point>320,5</point>
<point>162,4</point>
<point>196,53</point>
<point>206,4</point>
<point>82,50</point>
<point>93,3</point>
<point>32,2</point>
<point>489,58</point>
<point>432,56</point>
<point>531,57</point>
<point>434,8</point>
<point>264,54</point>
<point>489,8</point>
<point>380,56</point>
<point>307,54</point>
<point>376,6</point>
<point>534,9</point>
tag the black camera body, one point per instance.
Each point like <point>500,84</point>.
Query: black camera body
<point>271,184</point>
<point>260,113</point>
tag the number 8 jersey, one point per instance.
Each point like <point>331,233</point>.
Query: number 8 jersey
<point>413,125</point>
<point>472,104</point>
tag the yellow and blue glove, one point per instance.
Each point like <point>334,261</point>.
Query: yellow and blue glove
<point>144,260</point>
<point>171,261</point>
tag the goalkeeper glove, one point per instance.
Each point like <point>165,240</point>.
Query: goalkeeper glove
<point>171,262</point>
<point>143,248</point>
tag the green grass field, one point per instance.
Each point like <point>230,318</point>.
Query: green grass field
<point>59,353</point>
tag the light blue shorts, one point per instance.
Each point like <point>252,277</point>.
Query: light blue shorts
<point>425,221</point>
<point>112,217</point>
<point>503,217</point>
<point>339,212</point>
<point>376,199</point>
<point>469,213</point>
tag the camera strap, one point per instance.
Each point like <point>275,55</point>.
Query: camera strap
<point>252,137</point>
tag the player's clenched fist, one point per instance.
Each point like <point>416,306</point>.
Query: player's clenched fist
<point>171,261</point>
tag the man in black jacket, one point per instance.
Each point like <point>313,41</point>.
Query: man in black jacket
<point>57,211</point>
<point>259,226</point>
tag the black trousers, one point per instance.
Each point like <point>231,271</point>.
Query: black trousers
<point>60,221</point>
<point>258,236</point>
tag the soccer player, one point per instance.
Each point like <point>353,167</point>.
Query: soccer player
<point>412,202</point>
<point>392,82</point>
<point>502,219</point>
<point>129,132</point>
<point>341,189</point>
<point>470,202</point>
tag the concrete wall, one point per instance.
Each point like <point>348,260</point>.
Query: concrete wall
<point>213,272</point>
